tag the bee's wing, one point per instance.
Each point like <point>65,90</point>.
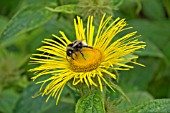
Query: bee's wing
<point>84,43</point>
<point>75,43</point>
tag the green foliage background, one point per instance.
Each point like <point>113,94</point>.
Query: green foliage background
<point>24,23</point>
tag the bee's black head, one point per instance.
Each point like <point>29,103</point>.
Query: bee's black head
<point>69,52</point>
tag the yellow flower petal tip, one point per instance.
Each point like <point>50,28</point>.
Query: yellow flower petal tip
<point>90,65</point>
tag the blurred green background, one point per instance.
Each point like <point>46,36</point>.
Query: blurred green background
<point>25,23</point>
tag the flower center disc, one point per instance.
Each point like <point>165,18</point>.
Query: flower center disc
<point>91,60</point>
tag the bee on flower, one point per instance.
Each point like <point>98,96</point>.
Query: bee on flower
<point>88,59</point>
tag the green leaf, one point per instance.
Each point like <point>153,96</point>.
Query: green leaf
<point>46,31</point>
<point>157,32</point>
<point>117,3</point>
<point>92,103</point>
<point>136,98</point>
<point>156,57</point>
<point>36,2</point>
<point>117,88</point>
<point>63,107</point>
<point>26,19</point>
<point>139,77</point>
<point>158,106</point>
<point>3,22</point>
<point>27,104</point>
<point>36,105</point>
<point>70,9</point>
<point>8,99</point>
<point>153,9</point>
<point>166,5</point>
<point>62,24</point>
<point>8,7</point>
<point>151,50</point>
<point>161,83</point>
<point>133,6</point>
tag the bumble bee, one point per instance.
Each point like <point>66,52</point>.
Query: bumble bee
<point>74,47</point>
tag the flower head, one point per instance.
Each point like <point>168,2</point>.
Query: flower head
<point>90,64</point>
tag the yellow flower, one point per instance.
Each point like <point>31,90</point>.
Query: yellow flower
<point>92,69</point>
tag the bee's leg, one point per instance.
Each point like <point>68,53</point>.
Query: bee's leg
<point>88,47</point>
<point>75,53</point>
<point>81,53</point>
<point>72,57</point>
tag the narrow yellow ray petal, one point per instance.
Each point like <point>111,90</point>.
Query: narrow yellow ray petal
<point>58,45</point>
<point>48,58</point>
<point>107,72</point>
<point>52,50</point>
<point>76,29</point>
<point>41,57</point>
<point>75,82</point>
<point>90,31</point>
<point>54,45</point>
<point>138,64</point>
<point>103,34</point>
<point>110,33</point>
<point>65,38</point>
<point>48,98</point>
<point>121,68</point>
<point>90,80</point>
<point>106,83</point>
<point>59,95</point>
<point>100,83</point>
<point>101,26</point>
<point>80,31</point>
<point>124,65</point>
<point>59,38</point>
<point>85,79</point>
<point>120,42</point>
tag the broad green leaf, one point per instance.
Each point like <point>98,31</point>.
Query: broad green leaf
<point>67,2</point>
<point>156,57</point>
<point>27,104</point>
<point>133,6</point>
<point>117,88</point>
<point>92,103</point>
<point>28,43</point>
<point>3,22</point>
<point>10,68</point>
<point>65,106</point>
<point>62,24</point>
<point>159,86</point>
<point>46,31</point>
<point>117,3</point>
<point>70,9</point>
<point>8,99</point>
<point>157,32</point>
<point>36,2</point>
<point>26,19</point>
<point>139,77</point>
<point>36,105</point>
<point>166,50</point>
<point>153,9</point>
<point>151,50</point>
<point>136,98</point>
<point>8,7</point>
<point>158,106</point>
<point>166,5</point>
